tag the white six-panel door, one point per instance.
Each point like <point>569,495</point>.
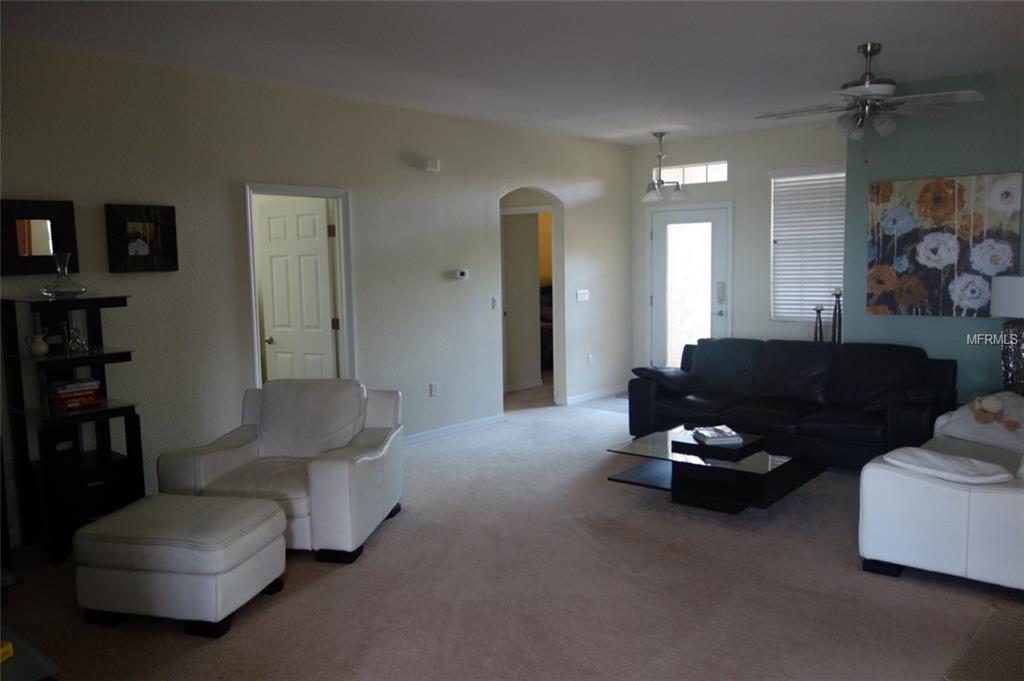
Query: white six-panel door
<point>294,282</point>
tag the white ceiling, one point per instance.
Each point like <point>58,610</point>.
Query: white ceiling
<point>611,71</point>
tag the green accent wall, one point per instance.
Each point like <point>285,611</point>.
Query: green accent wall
<point>972,139</point>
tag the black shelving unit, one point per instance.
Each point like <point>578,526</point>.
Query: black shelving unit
<point>68,483</point>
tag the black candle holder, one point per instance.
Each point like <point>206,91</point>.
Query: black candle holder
<point>837,317</point>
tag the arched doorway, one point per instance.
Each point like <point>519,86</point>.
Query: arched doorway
<point>533,298</point>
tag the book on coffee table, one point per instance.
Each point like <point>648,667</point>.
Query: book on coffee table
<point>717,435</point>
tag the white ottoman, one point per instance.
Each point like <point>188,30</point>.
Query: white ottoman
<point>188,558</point>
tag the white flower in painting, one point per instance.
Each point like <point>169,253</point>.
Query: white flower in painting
<point>970,291</point>
<point>938,250</point>
<point>1005,195</point>
<point>991,257</point>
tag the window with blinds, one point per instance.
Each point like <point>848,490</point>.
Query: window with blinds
<point>807,243</point>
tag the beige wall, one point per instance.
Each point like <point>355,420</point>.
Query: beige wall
<point>94,130</point>
<point>752,157</point>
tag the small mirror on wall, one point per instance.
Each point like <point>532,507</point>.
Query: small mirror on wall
<point>31,232</point>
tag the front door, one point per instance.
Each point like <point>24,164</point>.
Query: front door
<point>691,260</point>
<point>294,284</point>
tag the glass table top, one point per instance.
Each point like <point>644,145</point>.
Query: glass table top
<point>659,446</point>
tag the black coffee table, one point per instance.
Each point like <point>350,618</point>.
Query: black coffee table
<point>727,478</point>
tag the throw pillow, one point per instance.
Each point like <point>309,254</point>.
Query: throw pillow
<point>672,379</point>
<point>948,466</point>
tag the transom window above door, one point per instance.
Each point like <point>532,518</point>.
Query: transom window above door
<point>695,173</point>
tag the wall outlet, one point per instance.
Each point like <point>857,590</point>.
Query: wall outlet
<point>582,295</point>
<point>432,389</point>
<point>590,359</point>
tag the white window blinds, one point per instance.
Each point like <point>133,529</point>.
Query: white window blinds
<point>807,243</point>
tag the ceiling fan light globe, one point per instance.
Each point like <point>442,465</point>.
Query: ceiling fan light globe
<point>856,134</point>
<point>885,124</point>
<point>847,122</point>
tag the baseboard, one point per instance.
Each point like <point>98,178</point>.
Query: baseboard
<point>452,429</point>
<point>592,395</point>
<point>525,385</point>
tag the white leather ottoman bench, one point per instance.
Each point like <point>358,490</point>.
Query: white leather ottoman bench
<point>188,558</point>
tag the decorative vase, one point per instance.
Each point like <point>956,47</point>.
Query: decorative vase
<point>819,332</point>
<point>37,345</point>
<point>63,286</point>
<point>837,316</point>
<point>1013,355</point>
<point>77,345</point>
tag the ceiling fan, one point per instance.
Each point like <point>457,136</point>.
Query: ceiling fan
<point>874,99</point>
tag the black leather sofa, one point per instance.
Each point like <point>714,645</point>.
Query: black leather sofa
<point>853,400</point>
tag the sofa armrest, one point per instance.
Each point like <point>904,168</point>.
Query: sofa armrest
<point>352,488</point>
<point>909,424</point>
<point>641,406</point>
<point>188,471</point>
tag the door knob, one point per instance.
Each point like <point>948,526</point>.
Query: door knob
<point>269,340</point>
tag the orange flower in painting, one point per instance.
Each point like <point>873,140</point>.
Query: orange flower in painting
<point>971,227</point>
<point>910,292</point>
<point>879,309</point>
<point>880,192</point>
<point>881,279</point>
<point>939,199</point>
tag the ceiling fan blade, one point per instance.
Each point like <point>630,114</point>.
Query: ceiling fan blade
<point>809,111</point>
<point>938,98</point>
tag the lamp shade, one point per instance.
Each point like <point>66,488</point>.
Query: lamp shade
<point>653,194</point>
<point>1007,297</point>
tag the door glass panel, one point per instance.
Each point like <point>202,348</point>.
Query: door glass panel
<point>688,286</point>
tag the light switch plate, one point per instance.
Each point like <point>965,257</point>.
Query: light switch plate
<point>582,294</point>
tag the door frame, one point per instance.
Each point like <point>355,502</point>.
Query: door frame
<point>343,292</point>
<point>650,213</point>
<point>557,294</point>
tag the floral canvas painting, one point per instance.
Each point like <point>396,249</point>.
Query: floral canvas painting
<point>935,244</point>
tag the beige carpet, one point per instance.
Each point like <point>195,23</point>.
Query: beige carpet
<point>516,559</point>
<point>996,653</point>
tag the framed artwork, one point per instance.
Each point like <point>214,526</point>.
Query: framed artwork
<point>935,244</point>
<point>141,239</point>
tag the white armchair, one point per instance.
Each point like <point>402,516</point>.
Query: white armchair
<point>327,450</point>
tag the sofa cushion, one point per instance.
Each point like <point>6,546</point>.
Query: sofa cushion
<point>948,467</point>
<point>728,364</point>
<point>671,379</point>
<point>918,395</point>
<point>180,533</point>
<point>698,408</point>
<point>800,370</point>
<point>281,478</point>
<point>768,414</point>
<point>865,371</point>
<point>306,417</point>
<point>844,424</point>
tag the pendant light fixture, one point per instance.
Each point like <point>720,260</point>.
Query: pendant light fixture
<point>658,189</point>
